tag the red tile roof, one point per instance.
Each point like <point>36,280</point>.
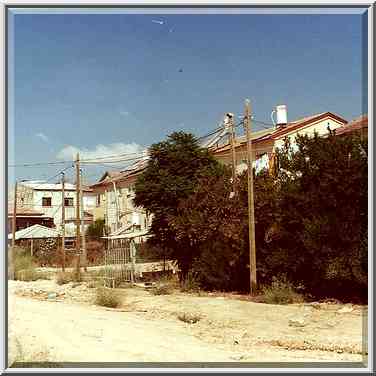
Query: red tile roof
<point>272,133</point>
<point>305,121</point>
<point>22,211</point>
<point>355,125</point>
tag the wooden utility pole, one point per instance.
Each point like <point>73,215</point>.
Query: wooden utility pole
<point>14,225</point>
<point>233,152</point>
<point>84,261</point>
<point>63,218</point>
<point>78,221</point>
<point>251,206</point>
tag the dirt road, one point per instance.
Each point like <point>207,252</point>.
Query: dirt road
<point>147,330</point>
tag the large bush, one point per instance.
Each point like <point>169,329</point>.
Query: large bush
<point>311,221</point>
<point>173,171</point>
<point>322,216</point>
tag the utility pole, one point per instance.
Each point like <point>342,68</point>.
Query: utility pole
<point>251,206</point>
<point>14,225</point>
<point>106,222</point>
<point>78,221</point>
<point>63,218</point>
<point>83,227</point>
<point>233,152</point>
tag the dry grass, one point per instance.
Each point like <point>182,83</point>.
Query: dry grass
<point>189,318</point>
<point>281,292</point>
<point>106,297</point>
<point>163,289</point>
<point>36,359</point>
<point>66,277</point>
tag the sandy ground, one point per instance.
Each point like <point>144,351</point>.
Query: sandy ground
<point>70,328</point>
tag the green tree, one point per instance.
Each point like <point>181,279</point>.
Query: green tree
<point>216,224</point>
<point>96,230</point>
<point>323,214</point>
<point>311,221</point>
<point>171,176</point>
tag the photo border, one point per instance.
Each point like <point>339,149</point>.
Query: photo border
<point>367,102</point>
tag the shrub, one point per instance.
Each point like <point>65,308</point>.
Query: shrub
<point>107,297</point>
<point>22,259</point>
<point>281,292</point>
<point>95,252</point>
<point>27,275</point>
<point>24,268</point>
<point>189,318</point>
<point>162,289</point>
<point>190,284</point>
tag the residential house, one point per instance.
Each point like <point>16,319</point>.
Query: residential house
<point>47,198</point>
<point>266,141</point>
<point>114,200</point>
<point>26,217</point>
<point>357,126</point>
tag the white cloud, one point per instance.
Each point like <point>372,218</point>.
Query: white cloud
<point>114,151</point>
<point>42,136</point>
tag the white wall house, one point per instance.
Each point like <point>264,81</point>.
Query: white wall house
<point>115,194</point>
<point>47,199</point>
<point>265,142</point>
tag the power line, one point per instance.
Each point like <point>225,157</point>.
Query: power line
<point>39,164</point>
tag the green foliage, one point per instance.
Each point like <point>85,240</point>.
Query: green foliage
<point>191,283</point>
<point>215,225</point>
<point>22,259</point>
<point>147,252</point>
<point>311,221</point>
<point>107,297</point>
<point>281,292</point>
<point>172,174</point>
<point>24,267</point>
<point>95,252</point>
<point>162,289</point>
<point>322,207</point>
<point>96,230</point>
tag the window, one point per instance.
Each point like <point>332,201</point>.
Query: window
<point>68,202</point>
<point>98,200</point>
<point>47,201</point>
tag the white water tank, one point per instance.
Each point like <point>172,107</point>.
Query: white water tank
<point>227,118</point>
<point>281,115</point>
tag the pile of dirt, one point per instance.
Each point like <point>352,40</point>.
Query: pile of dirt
<point>50,291</point>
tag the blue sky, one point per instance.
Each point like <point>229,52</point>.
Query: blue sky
<point>84,80</point>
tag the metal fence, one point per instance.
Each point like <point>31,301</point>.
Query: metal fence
<point>118,266</point>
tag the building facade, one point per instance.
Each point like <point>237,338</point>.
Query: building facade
<point>46,198</point>
<point>267,141</point>
<point>114,200</point>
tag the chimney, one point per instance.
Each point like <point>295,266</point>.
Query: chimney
<point>281,115</point>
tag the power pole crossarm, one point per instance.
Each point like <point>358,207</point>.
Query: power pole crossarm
<point>251,208</point>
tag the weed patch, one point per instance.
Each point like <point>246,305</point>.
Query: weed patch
<point>281,292</point>
<point>66,277</point>
<point>189,318</point>
<point>106,297</point>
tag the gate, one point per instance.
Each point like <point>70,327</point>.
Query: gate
<point>117,262</point>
